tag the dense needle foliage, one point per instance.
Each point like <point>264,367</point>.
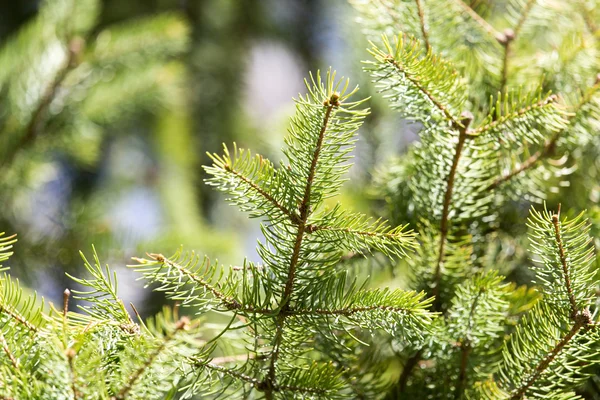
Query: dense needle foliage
<point>302,323</point>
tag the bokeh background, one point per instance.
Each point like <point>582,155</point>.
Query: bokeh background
<point>129,178</point>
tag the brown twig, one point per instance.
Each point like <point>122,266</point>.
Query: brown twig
<point>454,121</point>
<point>268,385</point>
<point>482,22</point>
<point>564,262</point>
<point>182,324</point>
<point>7,351</point>
<point>423,25</point>
<point>583,319</point>
<point>462,136</point>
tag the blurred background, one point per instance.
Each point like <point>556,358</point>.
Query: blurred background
<point>109,107</point>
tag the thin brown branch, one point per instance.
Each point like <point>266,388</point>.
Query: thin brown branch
<point>466,348</point>
<point>455,122</point>
<point>268,385</point>
<point>583,319</point>
<point>70,353</point>
<point>228,301</point>
<point>409,367</point>
<point>7,351</point>
<point>182,324</point>
<point>20,319</point>
<point>507,39</point>
<point>462,136</point>
<point>346,311</point>
<point>291,215</point>
<point>564,262</point>
<point>465,351</point>
<point>482,22</point>
<point>423,24</point>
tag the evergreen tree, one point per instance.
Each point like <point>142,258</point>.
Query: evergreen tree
<point>298,324</point>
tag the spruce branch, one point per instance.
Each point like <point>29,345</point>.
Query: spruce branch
<point>6,245</point>
<point>582,321</point>
<point>304,208</point>
<point>103,289</point>
<point>423,24</point>
<point>563,261</point>
<point>480,21</point>
<point>255,185</point>
<point>7,351</point>
<point>462,136</point>
<point>181,325</point>
<point>399,70</point>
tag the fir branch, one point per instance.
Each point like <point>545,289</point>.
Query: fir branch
<point>192,277</point>
<point>255,182</point>
<point>304,208</point>
<point>466,120</point>
<point>7,351</point>
<point>6,245</point>
<point>582,320</point>
<point>14,315</point>
<point>292,216</point>
<point>415,81</point>
<point>550,146</point>
<point>563,261</point>
<point>423,25</point>
<point>399,70</point>
<point>182,324</point>
<point>225,371</point>
<point>482,22</point>
<point>547,102</point>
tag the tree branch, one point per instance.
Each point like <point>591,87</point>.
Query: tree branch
<point>294,218</point>
<point>462,136</point>
<point>582,320</point>
<point>482,22</point>
<point>20,319</point>
<point>7,351</point>
<point>423,26</point>
<point>268,384</point>
<point>550,146</point>
<point>563,261</point>
<point>179,326</point>
<point>390,59</point>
